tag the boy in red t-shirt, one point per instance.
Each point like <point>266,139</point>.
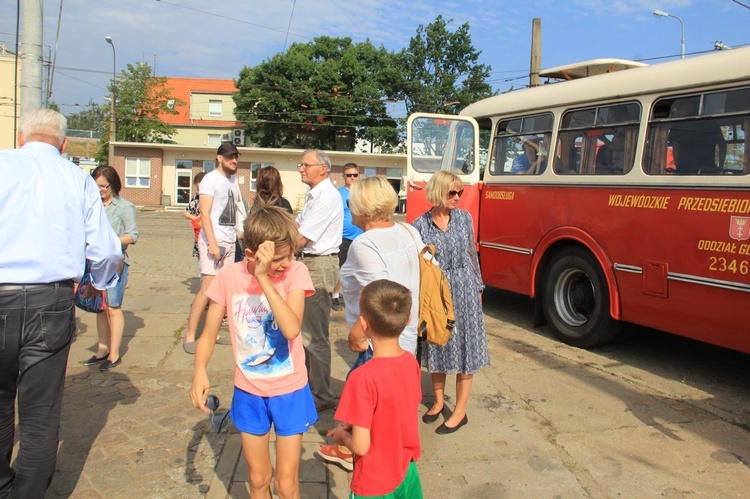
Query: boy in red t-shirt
<point>264,297</point>
<point>379,406</point>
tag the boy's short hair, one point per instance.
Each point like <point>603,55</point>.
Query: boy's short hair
<point>386,306</point>
<point>270,223</point>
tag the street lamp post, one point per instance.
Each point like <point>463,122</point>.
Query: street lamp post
<point>113,97</point>
<point>661,13</point>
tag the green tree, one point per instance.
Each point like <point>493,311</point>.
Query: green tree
<point>440,70</point>
<point>139,99</point>
<point>324,94</point>
<point>92,118</point>
<point>53,105</point>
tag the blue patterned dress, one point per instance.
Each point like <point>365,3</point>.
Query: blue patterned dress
<point>466,352</point>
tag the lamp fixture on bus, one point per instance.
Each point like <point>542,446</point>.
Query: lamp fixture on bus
<point>661,13</point>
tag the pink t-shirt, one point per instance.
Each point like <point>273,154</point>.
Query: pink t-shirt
<point>384,395</point>
<point>266,363</point>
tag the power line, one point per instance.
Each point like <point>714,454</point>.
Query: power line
<point>234,19</point>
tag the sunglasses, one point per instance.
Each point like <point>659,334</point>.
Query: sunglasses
<point>218,421</point>
<point>352,175</point>
<point>455,193</point>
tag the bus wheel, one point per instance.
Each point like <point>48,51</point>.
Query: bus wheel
<point>575,300</point>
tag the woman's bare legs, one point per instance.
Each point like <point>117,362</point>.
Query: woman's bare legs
<point>438,387</point>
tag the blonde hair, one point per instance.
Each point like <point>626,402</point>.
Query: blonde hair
<point>439,185</point>
<point>270,223</point>
<point>373,198</point>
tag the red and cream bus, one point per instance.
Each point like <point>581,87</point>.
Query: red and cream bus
<point>619,195</point>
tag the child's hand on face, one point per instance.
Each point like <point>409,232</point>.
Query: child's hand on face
<point>264,257</point>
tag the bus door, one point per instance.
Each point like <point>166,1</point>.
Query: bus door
<point>442,142</point>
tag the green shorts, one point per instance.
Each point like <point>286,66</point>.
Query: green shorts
<point>410,488</point>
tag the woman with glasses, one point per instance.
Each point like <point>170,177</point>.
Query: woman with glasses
<point>451,230</point>
<point>110,324</point>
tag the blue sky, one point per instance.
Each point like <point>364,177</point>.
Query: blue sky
<point>195,38</point>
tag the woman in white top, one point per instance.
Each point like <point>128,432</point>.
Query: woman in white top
<point>386,250</point>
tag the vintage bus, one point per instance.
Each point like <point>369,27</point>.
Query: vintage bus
<point>619,195</point>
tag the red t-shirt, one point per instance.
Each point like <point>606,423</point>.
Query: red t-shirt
<point>267,364</point>
<point>384,395</point>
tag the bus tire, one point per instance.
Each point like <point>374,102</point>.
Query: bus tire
<point>575,300</point>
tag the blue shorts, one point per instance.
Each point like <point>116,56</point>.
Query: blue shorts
<point>116,293</point>
<point>291,414</point>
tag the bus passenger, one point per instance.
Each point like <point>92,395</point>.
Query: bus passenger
<point>531,161</point>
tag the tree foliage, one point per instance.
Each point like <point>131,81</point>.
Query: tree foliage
<point>139,100</point>
<point>440,70</point>
<point>91,118</point>
<point>323,94</point>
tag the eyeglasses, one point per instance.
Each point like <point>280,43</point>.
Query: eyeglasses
<point>103,187</point>
<point>305,166</point>
<point>455,193</point>
<point>218,421</point>
<point>352,175</point>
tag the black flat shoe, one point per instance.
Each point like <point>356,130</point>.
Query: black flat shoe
<point>431,418</point>
<point>94,360</point>
<point>445,430</point>
<point>107,365</point>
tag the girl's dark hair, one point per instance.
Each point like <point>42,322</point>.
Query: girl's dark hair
<point>268,185</point>
<point>198,177</point>
<point>108,172</point>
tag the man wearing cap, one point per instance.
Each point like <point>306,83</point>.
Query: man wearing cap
<point>320,225</point>
<point>52,221</point>
<point>217,197</point>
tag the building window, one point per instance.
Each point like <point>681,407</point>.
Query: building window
<point>137,172</point>
<point>214,139</point>
<point>371,172</point>
<point>214,108</point>
<point>209,166</point>
<point>184,163</point>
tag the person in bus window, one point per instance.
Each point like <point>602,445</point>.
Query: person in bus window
<point>694,142</point>
<point>531,161</point>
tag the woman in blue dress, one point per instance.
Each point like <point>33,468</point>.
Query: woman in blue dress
<point>451,230</point>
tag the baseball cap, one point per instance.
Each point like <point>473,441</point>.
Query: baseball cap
<point>227,149</point>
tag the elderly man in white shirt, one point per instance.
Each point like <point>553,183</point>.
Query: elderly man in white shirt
<point>320,225</point>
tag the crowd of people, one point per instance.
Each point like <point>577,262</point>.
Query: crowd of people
<point>269,281</point>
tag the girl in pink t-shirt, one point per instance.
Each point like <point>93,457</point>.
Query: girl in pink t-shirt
<point>264,297</point>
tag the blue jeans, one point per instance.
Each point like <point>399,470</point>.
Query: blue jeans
<point>37,323</point>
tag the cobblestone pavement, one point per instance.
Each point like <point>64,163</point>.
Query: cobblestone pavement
<point>546,420</point>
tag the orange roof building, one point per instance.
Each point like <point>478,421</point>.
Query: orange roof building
<point>205,111</point>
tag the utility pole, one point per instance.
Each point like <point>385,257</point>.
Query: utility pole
<point>31,55</point>
<point>536,52</point>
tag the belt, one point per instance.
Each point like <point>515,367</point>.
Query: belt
<point>308,255</point>
<point>20,287</point>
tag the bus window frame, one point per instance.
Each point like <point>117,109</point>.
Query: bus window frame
<point>657,141</point>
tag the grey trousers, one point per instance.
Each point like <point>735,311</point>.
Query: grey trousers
<point>324,271</point>
<point>36,327</point>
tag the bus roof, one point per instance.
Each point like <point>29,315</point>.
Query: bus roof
<point>589,68</point>
<point>720,67</point>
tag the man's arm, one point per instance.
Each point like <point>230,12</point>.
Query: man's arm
<point>206,202</point>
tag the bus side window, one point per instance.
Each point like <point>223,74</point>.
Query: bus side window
<point>699,134</point>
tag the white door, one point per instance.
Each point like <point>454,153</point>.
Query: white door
<point>183,186</point>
